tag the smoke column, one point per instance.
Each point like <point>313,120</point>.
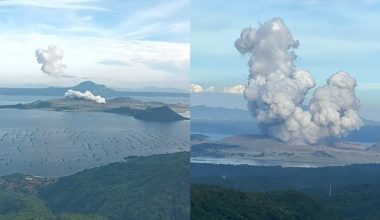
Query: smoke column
<point>51,60</point>
<point>72,94</point>
<point>276,90</point>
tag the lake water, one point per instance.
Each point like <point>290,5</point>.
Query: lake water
<point>49,143</point>
<point>214,137</point>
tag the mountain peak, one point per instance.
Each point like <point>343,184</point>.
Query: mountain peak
<point>89,84</point>
<point>96,89</point>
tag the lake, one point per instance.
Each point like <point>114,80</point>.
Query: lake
<point>49,143</point>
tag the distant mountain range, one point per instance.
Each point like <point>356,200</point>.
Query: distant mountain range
<point>96,89</point>
<point>153,89</point>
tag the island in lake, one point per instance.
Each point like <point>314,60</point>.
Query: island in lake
<point>148,111</point>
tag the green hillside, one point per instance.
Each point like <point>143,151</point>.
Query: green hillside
<point>355,189</point>
<point>153,187</point>
<point>20,206</point>
<point>216,203</point>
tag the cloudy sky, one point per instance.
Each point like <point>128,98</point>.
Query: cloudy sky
<point>123,44</point>
<point>334,35</point>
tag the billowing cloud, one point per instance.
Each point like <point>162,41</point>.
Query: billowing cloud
<point>195,88</point>
<point>51,60</point>
<point>276,90</point>
<point>72,94</point>
<point>238,89</point>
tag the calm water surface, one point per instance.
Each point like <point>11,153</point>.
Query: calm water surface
<point>49,143</point>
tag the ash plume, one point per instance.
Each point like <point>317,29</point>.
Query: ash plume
<point>72,94</point>
<point>276,90</point>
<point>51,60</point>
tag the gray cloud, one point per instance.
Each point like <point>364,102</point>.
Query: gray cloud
<point>276,90</point>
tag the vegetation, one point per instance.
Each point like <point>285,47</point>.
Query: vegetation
<point>153,187</point>
<point>21,206</point>
<point>215,203</point>
<point>269,178</point>
<point>351,202</point>
<point>355,189</point>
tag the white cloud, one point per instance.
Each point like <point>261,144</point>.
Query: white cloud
<point>161,19</point>
<point>134,48</point>
<point>62,4</point>
<point>51,60</point>
<point>84,56</point>
<point>238,89</point>
<point>195,88</point>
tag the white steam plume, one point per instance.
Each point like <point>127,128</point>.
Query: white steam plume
<point>51,60</point>
<point>72,94</point>
<point>276,90</point>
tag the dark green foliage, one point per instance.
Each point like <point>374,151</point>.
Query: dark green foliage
<point>267,178</point>
<point>68,216</point>
<point>351,202</point>
<point>355,188</point>
<point>154,187</point>
<point>215,203</point>
<point>22,206</point>
<point>19,206</point>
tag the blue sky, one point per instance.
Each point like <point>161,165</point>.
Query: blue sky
<point>334,35</point>
<point>124,44</point>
